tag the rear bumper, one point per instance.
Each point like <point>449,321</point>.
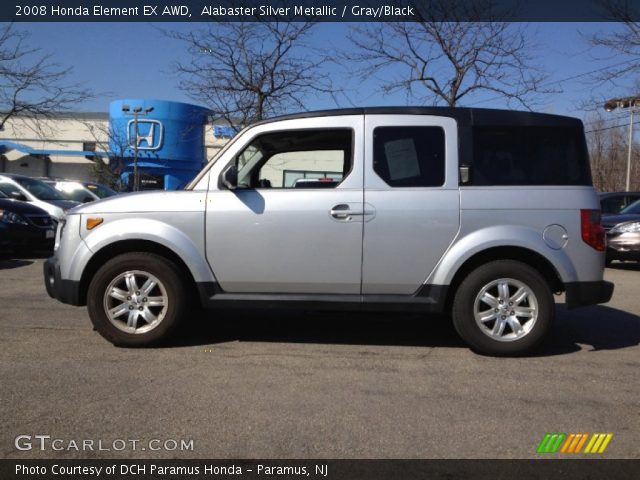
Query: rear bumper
<point>66,291</point>
<point>580,294</point>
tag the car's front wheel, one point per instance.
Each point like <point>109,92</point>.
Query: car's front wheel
<point>504,307</point>
<point>136,299</point>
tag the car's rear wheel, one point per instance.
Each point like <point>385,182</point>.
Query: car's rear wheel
<point>136,299</point>
<point>503,308</point>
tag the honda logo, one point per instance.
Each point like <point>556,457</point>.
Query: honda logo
<point>148,136</point>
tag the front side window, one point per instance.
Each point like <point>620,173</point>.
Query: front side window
<point>296,159</point>
<point>409,156</point>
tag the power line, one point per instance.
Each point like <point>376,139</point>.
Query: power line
<point>608,128</point>
<point>573,77</point>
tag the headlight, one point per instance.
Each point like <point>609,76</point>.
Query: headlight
<point>631,227</point>
<point>10,217</point>
<point>59,231</point>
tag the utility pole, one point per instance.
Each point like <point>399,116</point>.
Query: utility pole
<point>631,103</point>
<point>136,112</point>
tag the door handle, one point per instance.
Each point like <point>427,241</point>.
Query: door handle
<point>343,212</point>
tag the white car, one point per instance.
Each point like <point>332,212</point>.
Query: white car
<point>36,192</point>
<point>72,190</point>
<point>82,192</point>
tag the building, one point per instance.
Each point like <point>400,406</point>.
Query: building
<point>172,143</point>
<point>169,142</point>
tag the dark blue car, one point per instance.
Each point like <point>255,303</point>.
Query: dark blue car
<point>24,228</point>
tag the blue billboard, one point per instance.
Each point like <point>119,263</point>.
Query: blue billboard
<point>167,138</point>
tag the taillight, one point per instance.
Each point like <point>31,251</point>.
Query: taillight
<point>592,231</point>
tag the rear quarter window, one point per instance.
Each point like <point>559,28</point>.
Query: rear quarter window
<point>532,155</point>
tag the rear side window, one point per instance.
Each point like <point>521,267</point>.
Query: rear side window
<point>613,204</point>
<point>409,156</point>
<point>530,156</point>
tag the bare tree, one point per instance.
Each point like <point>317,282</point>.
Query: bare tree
<point>246,72</point>
<point>449,61</point>
<point>607,148</point>
<point>608,151</point>
<point>115,143</point>
<point>32,87</point>
<point>623,43</point>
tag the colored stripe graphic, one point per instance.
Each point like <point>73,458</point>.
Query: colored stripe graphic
<point>551,442</point>
<point>572,444</point>
<point>598,442</point>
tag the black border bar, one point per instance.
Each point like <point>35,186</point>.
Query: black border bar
<point>308,10</point>
<point>547,469</point>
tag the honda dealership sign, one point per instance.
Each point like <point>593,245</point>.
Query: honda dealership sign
<point>166,138</point>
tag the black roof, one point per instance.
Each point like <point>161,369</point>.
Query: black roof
<point>617,194</point>
<point>464,116</point>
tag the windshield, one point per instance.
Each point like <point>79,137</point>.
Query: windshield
<point>9,189</point>
<point>2,195</point>
<point>215,158</point>
<point>634,208</point>
<point>39,189</point>
<point>100,190</point>
<point>77,195</point>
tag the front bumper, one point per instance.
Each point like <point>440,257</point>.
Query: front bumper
<point>580,294</point>
<point>625,246</point>
<point>66,291</point>
<point>18,237</point>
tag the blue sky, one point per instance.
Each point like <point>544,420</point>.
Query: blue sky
<point>131,60</point>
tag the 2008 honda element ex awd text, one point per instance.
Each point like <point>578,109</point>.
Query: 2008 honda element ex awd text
<point>482,214</point>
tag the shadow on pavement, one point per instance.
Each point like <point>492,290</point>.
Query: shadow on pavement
<point>326,327</point>
<point>599,327</point>
<point>8,263</point>
<point>630,266</point>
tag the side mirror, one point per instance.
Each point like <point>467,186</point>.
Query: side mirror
<point>230,177</point>
<point>87,199</point>
<point>18,196</point>
<point>465,174</point>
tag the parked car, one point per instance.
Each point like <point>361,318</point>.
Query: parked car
<point>482,214</point>
<point>27,189</point>
<point>623,234</point>
<point>24,227</point>
<point>72,190</point>
<point>614,202</point>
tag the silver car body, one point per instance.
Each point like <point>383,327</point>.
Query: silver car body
<point>252,243</point>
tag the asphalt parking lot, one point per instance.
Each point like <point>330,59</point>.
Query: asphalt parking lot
<point>256,384</point>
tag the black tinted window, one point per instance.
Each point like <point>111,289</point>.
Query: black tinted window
<point>612,204</point>
<point>409,156</point>
<point>529,156</point>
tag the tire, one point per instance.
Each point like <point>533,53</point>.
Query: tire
<point>503,332</point>
<point>144,314</point>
